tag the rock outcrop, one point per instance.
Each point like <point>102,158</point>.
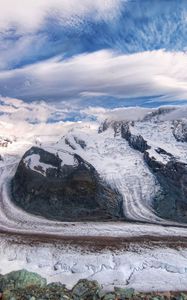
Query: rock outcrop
<point>180,130</point>
<point>65,188</point>
<point>122,128</point>
<point>137,142</point>
<point>171,203</point>
<point>21,279</point>
<point>104,126</point>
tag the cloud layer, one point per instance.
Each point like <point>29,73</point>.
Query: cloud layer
<point>103,74</point>
<point>39,119</point>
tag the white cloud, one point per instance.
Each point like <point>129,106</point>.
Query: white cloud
<point>118,114</point>
<point>35,112</point>
<point>30,15</point>
<point>18,119</point>
<point>24,25</point>
<point>103,73</point>
<point>177,114</point>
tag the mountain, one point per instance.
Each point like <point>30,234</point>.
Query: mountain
<point>63,187</point>
<point>130,170</point>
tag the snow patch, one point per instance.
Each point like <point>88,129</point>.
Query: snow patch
<point>33,162</point>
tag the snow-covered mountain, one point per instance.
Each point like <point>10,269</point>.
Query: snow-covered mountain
<point>63,187</point>
<point>142,165</point>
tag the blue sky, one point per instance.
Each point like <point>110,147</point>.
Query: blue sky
<point>108,53</point>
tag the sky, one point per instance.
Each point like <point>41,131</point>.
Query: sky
<point>76,54</point>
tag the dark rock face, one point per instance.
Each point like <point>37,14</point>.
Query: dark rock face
<point>180,131</point>
<point>69,144</point>
<point>135,141</point>
<point>172,176</point>
<point>164,152</point>
<point>116,125</point>
<point>80,142</point>
<point>104,126</point>
<point>63,192</point>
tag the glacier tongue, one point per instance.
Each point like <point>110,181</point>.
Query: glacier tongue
<point>121,166</point>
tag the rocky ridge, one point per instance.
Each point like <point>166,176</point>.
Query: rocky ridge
<point>171,173</point>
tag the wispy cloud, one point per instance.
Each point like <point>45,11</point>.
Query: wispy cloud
<point>31,31</point>
<point>149,74</point>
<point>27,16</point>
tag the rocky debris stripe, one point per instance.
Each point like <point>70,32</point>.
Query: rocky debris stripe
<point>24,285</point>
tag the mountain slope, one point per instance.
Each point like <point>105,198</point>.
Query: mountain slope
<point>65,188</point>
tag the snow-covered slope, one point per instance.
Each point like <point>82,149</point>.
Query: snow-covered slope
<point>122,153</point>
<point>118,164</point>
<point>122,162</point>
<point>126,155</point>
